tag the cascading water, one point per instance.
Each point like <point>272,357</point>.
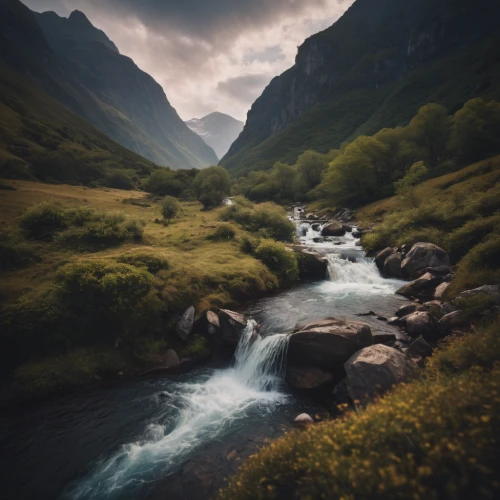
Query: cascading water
<point>204,410</point>
<point>362,271</point>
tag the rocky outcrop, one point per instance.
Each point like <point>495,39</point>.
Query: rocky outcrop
<point>422,287</point>
<point>327,344</point>
<point>381,257</point>
<point>392,265</point>
<point>232,325</point>
<point>375,369</point>
<point>422,256</point>
<point>333,229</point>
<point>185,323</point>
<point>307,377</point>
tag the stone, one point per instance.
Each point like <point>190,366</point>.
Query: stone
<point>491,292</point>
<point>392,265</point>
<point>395,321</point>
<point>419,347</point>
<point>406,309</point>
<point>185,323</point>
<point>376,369</point>
<point>384,338</point>
<point>421,323</point>
<point>316,226</point>
<point>312,265</point>
<point>333,229</point>
<point>172,359</point>
<point>347,228</point>
<point>303,420</point>
<point>440,290</point>
<point>422,255</point>
<point>381,257</point>
<point>447,307</point>
<point>328,343</point>
<point>422,287</point>
<point>432,307</point>
<point>232,325</point>
<point>213,322</point>
<point>307,377</point>
<point>357,233</point>
<point>453,319</point>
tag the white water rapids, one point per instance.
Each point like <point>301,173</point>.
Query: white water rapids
<point>205,409</point>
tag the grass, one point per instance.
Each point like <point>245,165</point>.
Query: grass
<point>436,437</point>
<point>170,268</point>
<point>457,211</point>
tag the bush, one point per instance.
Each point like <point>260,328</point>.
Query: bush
<point>153,263</point>
<point>169,208</point>
<point>212,185</point>
<point>269,219</point>
<point>164,182</point>
<point>118,179</point>
<point>41,221</point>
<point>279,259</point>
<point>248,244</point>
<point>223,232</point>
<point>14,252</point>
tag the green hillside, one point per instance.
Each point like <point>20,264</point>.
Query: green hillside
<point>372,69</point>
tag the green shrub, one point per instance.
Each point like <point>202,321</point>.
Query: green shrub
<point>43,220</point>
<point>15,253</point>
<point>169,208</point>
<point>223,232</point>
<point>269,219</point>
<point>248,244</point>
<point>279,259</point>
<point>212,185</point>
<point>152,262</point>
<point>118,179</point>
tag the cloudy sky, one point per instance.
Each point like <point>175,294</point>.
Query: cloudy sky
<point>209,55</point>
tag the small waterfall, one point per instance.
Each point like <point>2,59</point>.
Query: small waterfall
<point>362,271</point>
<point>260,361</point>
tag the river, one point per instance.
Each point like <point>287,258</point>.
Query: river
<point>180,437</point>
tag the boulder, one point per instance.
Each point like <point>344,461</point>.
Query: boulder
<point>333,229</point>
<point>185,323</point>
<point>357,233</point>
<point>307,377</point>
<point>213,322</point>
<point>375,369</point>
<point>384,338</point>
<point>312,266</point>
<point>419,347</point>
<point>381,257</point>
<point>232,325</point>
<point>171,359</point>
<point>491,292</point>
<point>432,307</point>
<point>440,289</point>
<point>453,319</point>
<point>347,228</point>
<point>421,287</point>
<point>316,226</point>
<point>421,323</point>
<point>392,265</point>
<point>327,344</point>
<point>422,255</point>
<point>396,321</point>
<point>447,307</point>
<point>406,309</point>
<point>303,420</point>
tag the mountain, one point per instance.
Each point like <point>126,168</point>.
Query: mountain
<point>373,68</point>
<point>218,130</point>
<point>77,65</point>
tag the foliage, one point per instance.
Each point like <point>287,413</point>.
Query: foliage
<point>169,208</point>
<point>41,221</point>
<point>223,232</point>
<point>405,187</point>
<point>279,259</point>
<point>166,182</point>
<point>436,437</point>
<point>152,262</point>
<point>15,253</point>
<point>212,185</point>
<point>268,219</point>
<point>118,179</point>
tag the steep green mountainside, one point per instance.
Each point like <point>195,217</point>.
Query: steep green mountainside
<point>372,69</point>
<point>40,137</point>
<point>77,65</point>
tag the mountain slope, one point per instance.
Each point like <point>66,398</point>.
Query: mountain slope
<point>372,69</point>
<point>218,130</point>
<point>77,64</point>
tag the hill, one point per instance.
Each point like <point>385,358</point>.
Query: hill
<point>372,69</point>
<point>218,130</point>
<point>77,65</point>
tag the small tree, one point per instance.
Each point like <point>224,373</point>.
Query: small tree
<point>212,185</point>
<point>405,187</point>
<point>170,208</point>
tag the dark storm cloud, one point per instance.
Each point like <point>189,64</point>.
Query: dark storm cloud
<point>244,88</point>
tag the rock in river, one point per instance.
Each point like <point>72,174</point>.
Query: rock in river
<point>375,369</point>
<point>328,343</point>
<point>422,287</point>
<point>232,325</point>
<point>307,377</point>
<point>333,229</point>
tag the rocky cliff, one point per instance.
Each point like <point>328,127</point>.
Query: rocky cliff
<point>373,68</point>
<point>77,64</point>
<point>218,130</point>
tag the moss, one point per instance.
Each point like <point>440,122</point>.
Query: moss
<point>197,349</point>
